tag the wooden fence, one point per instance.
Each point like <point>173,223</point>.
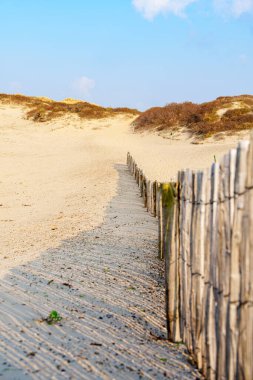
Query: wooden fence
<point>205,224</point>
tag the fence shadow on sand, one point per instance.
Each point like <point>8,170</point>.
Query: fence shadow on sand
<point>107,284</point>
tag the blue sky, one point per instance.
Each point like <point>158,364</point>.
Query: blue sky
<point>136,53</point>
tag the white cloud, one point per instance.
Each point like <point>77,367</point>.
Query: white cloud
<point>242,6</point>
<point>84,85</point>
<point>234,7</point>
<point>151,8</point>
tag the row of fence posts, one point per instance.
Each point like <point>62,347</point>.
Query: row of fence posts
<point>205,226</point>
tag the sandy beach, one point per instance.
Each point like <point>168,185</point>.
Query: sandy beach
<point>76,238</point>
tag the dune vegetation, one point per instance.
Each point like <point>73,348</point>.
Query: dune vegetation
<point>41,109</point>
<point>229,114</point>
<point>225,114</point>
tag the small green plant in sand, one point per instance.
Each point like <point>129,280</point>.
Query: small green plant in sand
<point>53,317</point>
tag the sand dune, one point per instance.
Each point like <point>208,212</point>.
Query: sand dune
<point>56,179</point>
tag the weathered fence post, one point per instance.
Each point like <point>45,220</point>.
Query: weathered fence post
<point>236,257</point>
<point>171,255</point>
<point>154,195</point>
<point>245,343</point>
<point>185,246</point>
<point>144,191</point>
<point>211,273</point>
<point>197,263</point>
<point>160,221</point>
<point>141,183</point>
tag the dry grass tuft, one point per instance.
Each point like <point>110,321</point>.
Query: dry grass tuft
<point>42,109</point>
<point>225,114</point>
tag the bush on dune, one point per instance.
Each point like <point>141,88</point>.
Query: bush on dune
<point>206,119</point>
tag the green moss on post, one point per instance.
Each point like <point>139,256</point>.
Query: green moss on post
<point>169,194</point>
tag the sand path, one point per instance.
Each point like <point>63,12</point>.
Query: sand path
<point>75,238</point>
<point>107,285</point>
